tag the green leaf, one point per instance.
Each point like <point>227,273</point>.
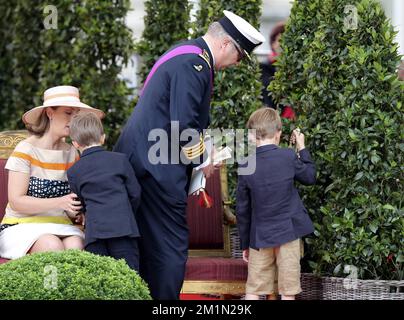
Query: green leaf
<point>352,135</point>
<point>337,269</point>
<point>358,176</point>
<point>326,257</point>
<point>374,159</point>
<point>373,227</point>
<point>388,207</point>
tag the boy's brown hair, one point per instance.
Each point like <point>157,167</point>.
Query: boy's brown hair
<point>86,129</point>
<point>266,122</point>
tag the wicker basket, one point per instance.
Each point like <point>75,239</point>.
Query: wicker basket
<point>311,287</point>
<point>332,288</point>
<point>355,289</point>
<point>236,251</point>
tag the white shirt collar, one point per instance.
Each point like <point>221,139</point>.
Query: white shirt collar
<point>266,144</point>
<point>211,52</point>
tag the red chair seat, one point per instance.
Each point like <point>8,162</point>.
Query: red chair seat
<point>216,269</point>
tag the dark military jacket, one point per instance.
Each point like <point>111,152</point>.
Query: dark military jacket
<point>109,191</point>
<point>269,209</point>
<point>176,98</point>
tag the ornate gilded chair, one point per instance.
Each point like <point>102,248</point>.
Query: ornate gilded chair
<point>211,268</point>
<point>8,141</point>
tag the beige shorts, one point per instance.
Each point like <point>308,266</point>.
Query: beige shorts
<point>281,264</point>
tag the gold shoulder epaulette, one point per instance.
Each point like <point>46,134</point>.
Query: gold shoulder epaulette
<point>205,56</point>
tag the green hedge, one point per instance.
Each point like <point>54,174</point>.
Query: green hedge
<point>70,275</point>
<point>342,81</point>
<point>166,23</point>
<point>87,50</point>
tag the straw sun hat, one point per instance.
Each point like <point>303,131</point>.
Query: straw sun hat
<point>60,96</point>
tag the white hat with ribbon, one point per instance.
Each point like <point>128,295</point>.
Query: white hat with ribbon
<point>60,96</point>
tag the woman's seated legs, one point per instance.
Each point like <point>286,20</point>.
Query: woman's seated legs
<point>47,242</point>
<point>73,242</point>
<point>50,242</point>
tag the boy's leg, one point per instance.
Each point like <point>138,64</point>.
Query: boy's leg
<point>97,247</point>
<point>274,296</point>
<point>125,248</point>
<point>288,261</point>
<point>261,273</point>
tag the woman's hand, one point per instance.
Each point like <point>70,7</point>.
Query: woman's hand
<point>18,183</point>
<point>70,205</point>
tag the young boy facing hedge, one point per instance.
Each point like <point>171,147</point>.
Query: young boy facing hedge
<point>109,191</point>
<point>271,217</point>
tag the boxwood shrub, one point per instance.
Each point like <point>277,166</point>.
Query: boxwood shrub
<point>70,275</point>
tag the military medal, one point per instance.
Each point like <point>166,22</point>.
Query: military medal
<point>198,67</point>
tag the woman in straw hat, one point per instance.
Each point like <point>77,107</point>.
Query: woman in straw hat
<point>39,196</point>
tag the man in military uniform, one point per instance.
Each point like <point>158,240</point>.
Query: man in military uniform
<point>175,99</point>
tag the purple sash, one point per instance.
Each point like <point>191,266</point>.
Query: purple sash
<point>186,49</point>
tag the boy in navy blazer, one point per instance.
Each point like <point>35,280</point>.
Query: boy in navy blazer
<point>109,191</point>
<point>271,217</point>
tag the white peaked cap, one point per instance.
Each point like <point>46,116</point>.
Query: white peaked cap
<point>241,31</point>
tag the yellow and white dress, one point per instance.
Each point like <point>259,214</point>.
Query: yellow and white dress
<point>48,179</point>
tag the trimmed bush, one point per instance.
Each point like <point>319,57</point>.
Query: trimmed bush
<point>341,79</point>
<point>70,275</point>
<point>166,23</point>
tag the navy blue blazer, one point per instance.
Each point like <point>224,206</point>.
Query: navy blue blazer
<point>109,192</point>
<point>269,209</point>
<point>180,92</point>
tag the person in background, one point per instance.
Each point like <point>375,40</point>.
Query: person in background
<point>268,70</point>
<point>400,71</point>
